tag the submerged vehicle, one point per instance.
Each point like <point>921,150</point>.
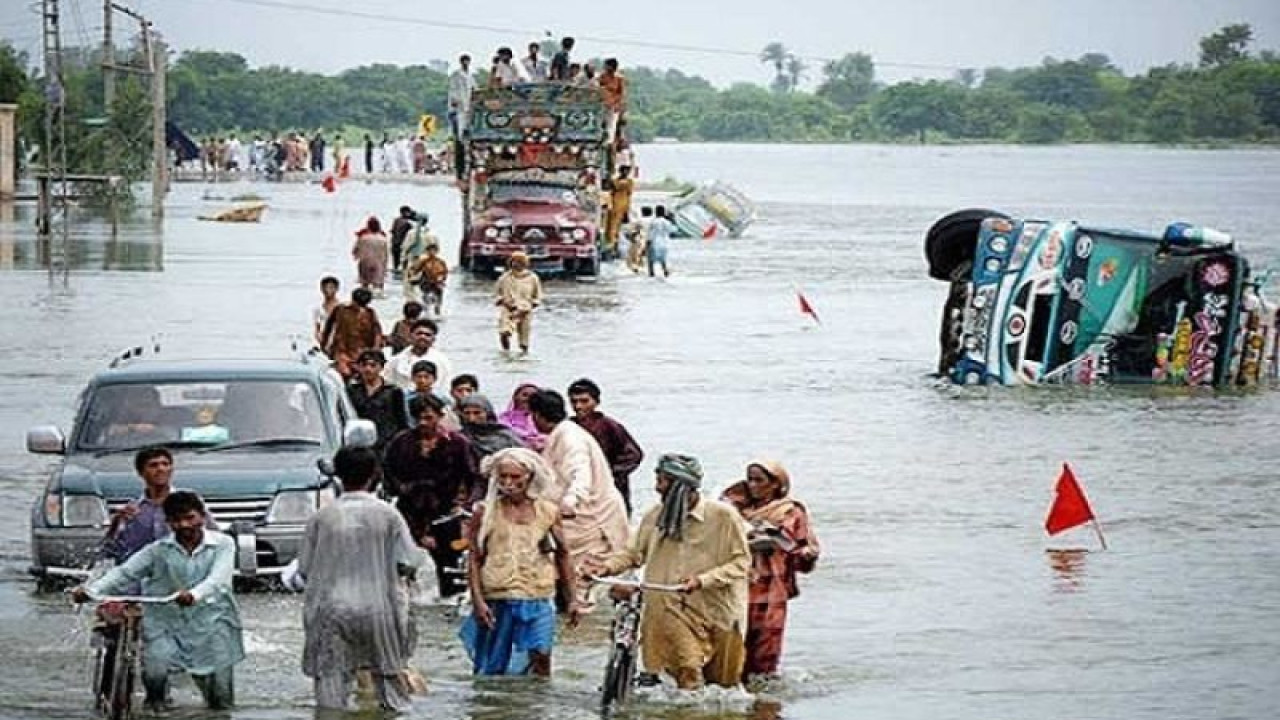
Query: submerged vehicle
<point>713,209</point>
<point>1038,302</point>
<point>536,155</point>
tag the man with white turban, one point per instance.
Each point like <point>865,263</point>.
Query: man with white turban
<point>695,636</point>
<point>517,554</point>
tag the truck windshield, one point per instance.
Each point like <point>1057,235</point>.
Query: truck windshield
<point>532,192</point>
<point>128,415</point>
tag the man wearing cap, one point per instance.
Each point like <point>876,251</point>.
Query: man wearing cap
<point>695,636</point>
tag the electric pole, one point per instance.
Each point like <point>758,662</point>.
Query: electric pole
<point>108,59</point>
<point>53,186</point>
<point>159,115</point>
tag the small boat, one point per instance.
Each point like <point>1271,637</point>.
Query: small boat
<point>1035,302</point>
<point>251,212</point>
<point>713,209</point>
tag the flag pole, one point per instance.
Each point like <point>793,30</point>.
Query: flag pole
<point>1098,529</point>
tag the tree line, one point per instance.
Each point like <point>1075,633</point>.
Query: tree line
<point>1232,94</point>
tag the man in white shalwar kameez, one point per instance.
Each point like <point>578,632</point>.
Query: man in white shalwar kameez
<point>356,613</point>
<point>595,517</point>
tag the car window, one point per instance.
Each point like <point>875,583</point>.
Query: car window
<point>124,415</point>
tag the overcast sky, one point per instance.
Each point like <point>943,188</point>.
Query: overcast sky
<point>907,38</point>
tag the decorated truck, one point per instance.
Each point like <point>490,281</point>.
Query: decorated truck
<point>1036,302</point>
<point>536,155</point>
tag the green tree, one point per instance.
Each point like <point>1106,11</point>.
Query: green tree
<point>1039,123</point>
<point>14,79</point>
<point>1168,117</point>
<point>849,81</point>
<point>1229,45</point>
<point>776,54</point>
<point>796,71</point>
<point>914,108</point>
<point>1069,83</point>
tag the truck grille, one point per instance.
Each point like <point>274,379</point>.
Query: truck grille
<point>225,510</point>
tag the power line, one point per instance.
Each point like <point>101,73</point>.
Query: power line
<point>524,32</point>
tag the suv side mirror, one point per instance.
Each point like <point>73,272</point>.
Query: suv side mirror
<point>359,433</point>
<point>47,440</point>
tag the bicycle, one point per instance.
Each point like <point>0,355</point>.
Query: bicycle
<point>624,634</point>
<point>117,637</point>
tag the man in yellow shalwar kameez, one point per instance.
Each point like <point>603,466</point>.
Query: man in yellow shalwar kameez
<point>619,208</point>
<point>695,636</point>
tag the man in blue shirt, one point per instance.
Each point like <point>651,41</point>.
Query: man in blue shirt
<point>141,522</point>
<point>200,633</point>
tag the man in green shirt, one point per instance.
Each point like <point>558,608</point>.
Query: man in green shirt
<point>200,632</point>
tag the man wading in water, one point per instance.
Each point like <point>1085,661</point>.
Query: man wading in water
<point>701,545</point>
<point>518,292</point>
<point>357,612</point>
<point>200,632</point>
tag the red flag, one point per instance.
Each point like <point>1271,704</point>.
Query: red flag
<point>710,232</point>
<point>806,308</point>
<point>344,172</point>
<point>1070,507</point>
<point>329,184</point>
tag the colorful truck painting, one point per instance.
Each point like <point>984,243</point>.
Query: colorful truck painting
<point>535,157</point>
<point>1036,302</point>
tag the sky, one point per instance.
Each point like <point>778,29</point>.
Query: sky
<point>717,39</point>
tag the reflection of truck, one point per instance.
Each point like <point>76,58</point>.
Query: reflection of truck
<point>535,157</point>
<point>1055,302</point>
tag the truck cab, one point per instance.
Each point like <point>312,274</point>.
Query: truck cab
<point>535,155</point>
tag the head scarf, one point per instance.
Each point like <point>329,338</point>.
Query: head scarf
<point>521,421</point>
<point>541,478</point>
<point>772,511</point>
<point>686,474</point>
<point>490,436</point>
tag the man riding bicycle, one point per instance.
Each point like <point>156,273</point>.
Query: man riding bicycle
<point>200,633</point>
<point>695,637</point>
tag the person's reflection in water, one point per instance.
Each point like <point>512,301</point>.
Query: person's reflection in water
<point>1068,568</point>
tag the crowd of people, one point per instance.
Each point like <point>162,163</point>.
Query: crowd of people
<point>517,510</point>
<point>269,157</point>
<point>537,526</point>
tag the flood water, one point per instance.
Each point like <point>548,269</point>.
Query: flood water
<point>935,596</point>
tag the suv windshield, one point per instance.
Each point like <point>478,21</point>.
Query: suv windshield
<point>532,192</point>
<point>129,415</point>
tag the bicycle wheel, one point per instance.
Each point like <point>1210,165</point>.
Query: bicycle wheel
<point>119,701</point>
<point>617,676</point>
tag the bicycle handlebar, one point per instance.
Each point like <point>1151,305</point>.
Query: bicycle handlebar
<point>139,599</point>
<point>636,584</point>
<point>459,514</point>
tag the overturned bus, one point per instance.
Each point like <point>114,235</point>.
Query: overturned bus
<point>1038,302</point>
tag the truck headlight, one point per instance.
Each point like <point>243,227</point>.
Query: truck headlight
<point>83,511</point>
<point>491,232</point>
<point>294,507</point>
<point>579,234</point>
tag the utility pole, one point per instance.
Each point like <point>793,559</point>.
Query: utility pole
<point>53,187</point>
<point>108,59</point>
<point>159,115</point>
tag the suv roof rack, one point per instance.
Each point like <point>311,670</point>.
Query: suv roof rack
<point>129,354</point>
